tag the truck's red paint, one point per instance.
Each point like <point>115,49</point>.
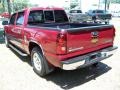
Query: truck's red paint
<point>77,43</point>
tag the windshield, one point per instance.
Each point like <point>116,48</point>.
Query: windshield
<point>75,11</point>
<point>98,11</point>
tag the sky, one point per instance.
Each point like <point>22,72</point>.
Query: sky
<point>59,3</point>
<point>85,6</point>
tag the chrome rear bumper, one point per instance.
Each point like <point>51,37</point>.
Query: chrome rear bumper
<point>88,59</point>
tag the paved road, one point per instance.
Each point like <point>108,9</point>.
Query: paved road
<point>16,73</point>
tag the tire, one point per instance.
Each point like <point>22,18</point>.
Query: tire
<point>106,22</point>
<point>94,18</point>
<point>6,41</point>
<point>95,64</point>
<point>39,63</point>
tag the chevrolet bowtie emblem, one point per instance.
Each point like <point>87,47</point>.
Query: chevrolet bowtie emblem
<point>94,36</point>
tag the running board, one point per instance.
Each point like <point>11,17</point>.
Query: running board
<point>18,51</point>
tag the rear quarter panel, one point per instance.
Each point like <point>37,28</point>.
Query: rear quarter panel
<point>45,38</point>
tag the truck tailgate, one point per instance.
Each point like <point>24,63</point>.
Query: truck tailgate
<point>104,16</point>
<point>89,39</point>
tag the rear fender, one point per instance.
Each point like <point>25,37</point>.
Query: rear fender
<point>35,42</point>
<point>48,66</point>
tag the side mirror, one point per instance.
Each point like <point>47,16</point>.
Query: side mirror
<point>5,23</point>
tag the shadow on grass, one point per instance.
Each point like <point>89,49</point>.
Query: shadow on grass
<point>70,79</point>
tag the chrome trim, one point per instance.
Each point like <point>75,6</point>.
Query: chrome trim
<point>75,49</point>
<point>73,66</point>
<point>85,60</point>
<point>18,51</point>
<point>109,51</point>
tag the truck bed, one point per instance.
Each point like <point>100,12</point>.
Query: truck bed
<point>82,38</point>
<point>71,26</point>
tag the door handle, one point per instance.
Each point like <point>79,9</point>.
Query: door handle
<point>18,31</point>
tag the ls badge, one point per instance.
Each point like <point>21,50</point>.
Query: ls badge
<point>94,37</point>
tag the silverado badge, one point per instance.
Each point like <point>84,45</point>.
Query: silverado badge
<point>94,37</point>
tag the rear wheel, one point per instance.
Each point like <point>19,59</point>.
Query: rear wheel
<point>106,22</point>
<point>39,63</point>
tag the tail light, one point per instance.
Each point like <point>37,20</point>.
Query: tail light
<point>114,31</point>
<point>61,45</point>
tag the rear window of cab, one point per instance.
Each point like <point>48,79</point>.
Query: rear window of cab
<point>40,16</point>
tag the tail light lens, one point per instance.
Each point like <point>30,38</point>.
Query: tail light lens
<point>114,31</point>
<point>61,44</point>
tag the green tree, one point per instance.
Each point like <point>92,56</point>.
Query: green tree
<point>19,4</point>
<point>72,6</point>
<point>15,5</point>
<point>112,1</point>
<point>115,1</point>
<point>3,6</point>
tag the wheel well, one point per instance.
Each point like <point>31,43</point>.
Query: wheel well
<point>32,45</point>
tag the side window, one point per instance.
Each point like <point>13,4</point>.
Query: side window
<point>49,17</point>
<point>79,11</point>
<point>20,18</point>
<point>12,19</point>
<point>60,16</point>
<point>73,11</point>
<point>36,17</point>
<point>100,11</point>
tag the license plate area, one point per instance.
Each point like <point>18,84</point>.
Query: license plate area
<point>94,56</point>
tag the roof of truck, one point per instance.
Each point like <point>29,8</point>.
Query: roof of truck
<point>40,8</point>
<point>43,8</point>
<point>46,8</point>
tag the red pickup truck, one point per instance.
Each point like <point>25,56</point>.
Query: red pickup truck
<point>46,35</point>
